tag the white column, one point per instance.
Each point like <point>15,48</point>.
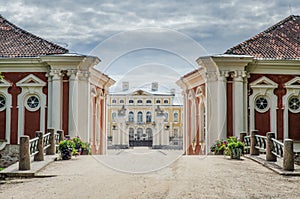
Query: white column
<point>83,113</point>
<point>56,110</point>
<point>212,109</point>
<point>73,103</point>
<point>186,123</point>
<point>238,102</point>
<point>222,104</point>
<point>49,106</point>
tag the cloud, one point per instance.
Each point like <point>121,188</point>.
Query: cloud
<point>84,25</point>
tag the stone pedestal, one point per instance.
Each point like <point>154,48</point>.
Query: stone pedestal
<point>288,155</point>
<point>253,142</point>
<point>269,148</point>
<point>24,155</point>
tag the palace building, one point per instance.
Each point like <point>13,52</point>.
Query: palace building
<point>254,85</point>
<point>45,85</point>
<point>144,117</point>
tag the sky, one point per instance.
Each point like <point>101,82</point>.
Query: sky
<point>145,41</point>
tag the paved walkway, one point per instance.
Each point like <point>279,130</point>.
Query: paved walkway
<point>186,177</point>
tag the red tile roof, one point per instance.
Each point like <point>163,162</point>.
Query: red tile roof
<point>16,42</point>
<point>281,41</point>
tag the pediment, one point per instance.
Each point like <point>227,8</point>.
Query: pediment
<point>4,83</point>
<point>140,92</point>
<point>263,82</point>
<point>293,83</point>
<point>31,81</point>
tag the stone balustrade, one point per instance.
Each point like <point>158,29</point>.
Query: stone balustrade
<point>38,146</point>
<point>271,147</point>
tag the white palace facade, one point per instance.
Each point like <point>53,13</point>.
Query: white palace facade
<point>144,117</point>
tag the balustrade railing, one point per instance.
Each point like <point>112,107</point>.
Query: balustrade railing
<point>272,147</point>
<point>277,148</point>
<point>261,142</point>
<point>36,147</point>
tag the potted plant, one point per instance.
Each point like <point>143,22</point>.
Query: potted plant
<point>66,148</point>
<point>219,147</point>
<point>86,148</point>
<point>78,144</point>
<point>234,148</point>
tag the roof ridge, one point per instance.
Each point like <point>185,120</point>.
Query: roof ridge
<point>261,33</point>
<point>33,35</point>
<point>49,45</point>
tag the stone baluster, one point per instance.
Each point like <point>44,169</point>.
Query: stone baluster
<point>270,146</point>
<point>253,142</point>
<point>52,149</point>
<point>288,155</point>
<point>24,155</point>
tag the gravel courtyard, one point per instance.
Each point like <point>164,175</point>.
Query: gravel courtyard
<point>118,176</point>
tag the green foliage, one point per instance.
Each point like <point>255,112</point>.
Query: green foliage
<point>219,147</point>
<point>1,76</point>
<point>230,147</point>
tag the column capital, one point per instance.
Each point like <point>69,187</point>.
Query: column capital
<point>211,76</point>
<point>83,75</point>
<point>56,74</point>
<point>222,75</point>
<point>239,75</point>
<point>72,73</point>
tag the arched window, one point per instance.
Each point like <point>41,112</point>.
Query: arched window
<point>149,133</point>
<point>130,116</point>
<point>131,101</point>
<point>158,101</point>
<point>175,117</point>
<point>121,101</point>
<point>140,117</point>
<point>148,116</point>
<point>114,101</point>
<point>148,101</point>
<point>2,102</point>
<point>140,101</point>
<point>114,116</point>
<point>166,117</point>
<point>166,101</point>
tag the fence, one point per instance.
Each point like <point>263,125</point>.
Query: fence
<point>256,144</point>
<point>38,146</point>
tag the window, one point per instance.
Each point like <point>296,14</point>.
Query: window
<point>114,116</point>
<point>2,102</point>
<point>261,104</point>
<point>175,117</point>
<point>130,116</point>
<point>166,117</point>
<point>148,116</point>
<point>131,101</point>
<point>140,101</point>
<point>157,101</point>
<point>32,103</point>
<point>148,101</point>
<point>114,101</point>
<point>140,117</point>
<point>175,132</point>
<point>294,104</point>
<point>121,101</point>
<point>166,101</point>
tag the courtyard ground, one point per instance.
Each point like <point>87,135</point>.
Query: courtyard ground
<point>155,174</point>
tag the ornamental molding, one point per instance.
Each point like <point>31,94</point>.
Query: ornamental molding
<point>31,81</point>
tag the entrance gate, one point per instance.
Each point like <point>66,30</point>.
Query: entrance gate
<point>140,139</point>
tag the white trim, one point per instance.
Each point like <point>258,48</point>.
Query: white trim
<point>4,85</point>
<point>263,87</point>
<point>29,89</point>
<point>292,89</point>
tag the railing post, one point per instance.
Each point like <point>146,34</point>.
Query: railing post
<point>24,155</point>
<point>61,135</point>
<point>288,155</point>
<point>253,142</point>
<point>242,136</point>
<point>40,155</point>
<point>52,149</point>
<point>269,148</point>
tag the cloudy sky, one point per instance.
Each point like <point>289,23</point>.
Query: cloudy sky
<point>150,36</point>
